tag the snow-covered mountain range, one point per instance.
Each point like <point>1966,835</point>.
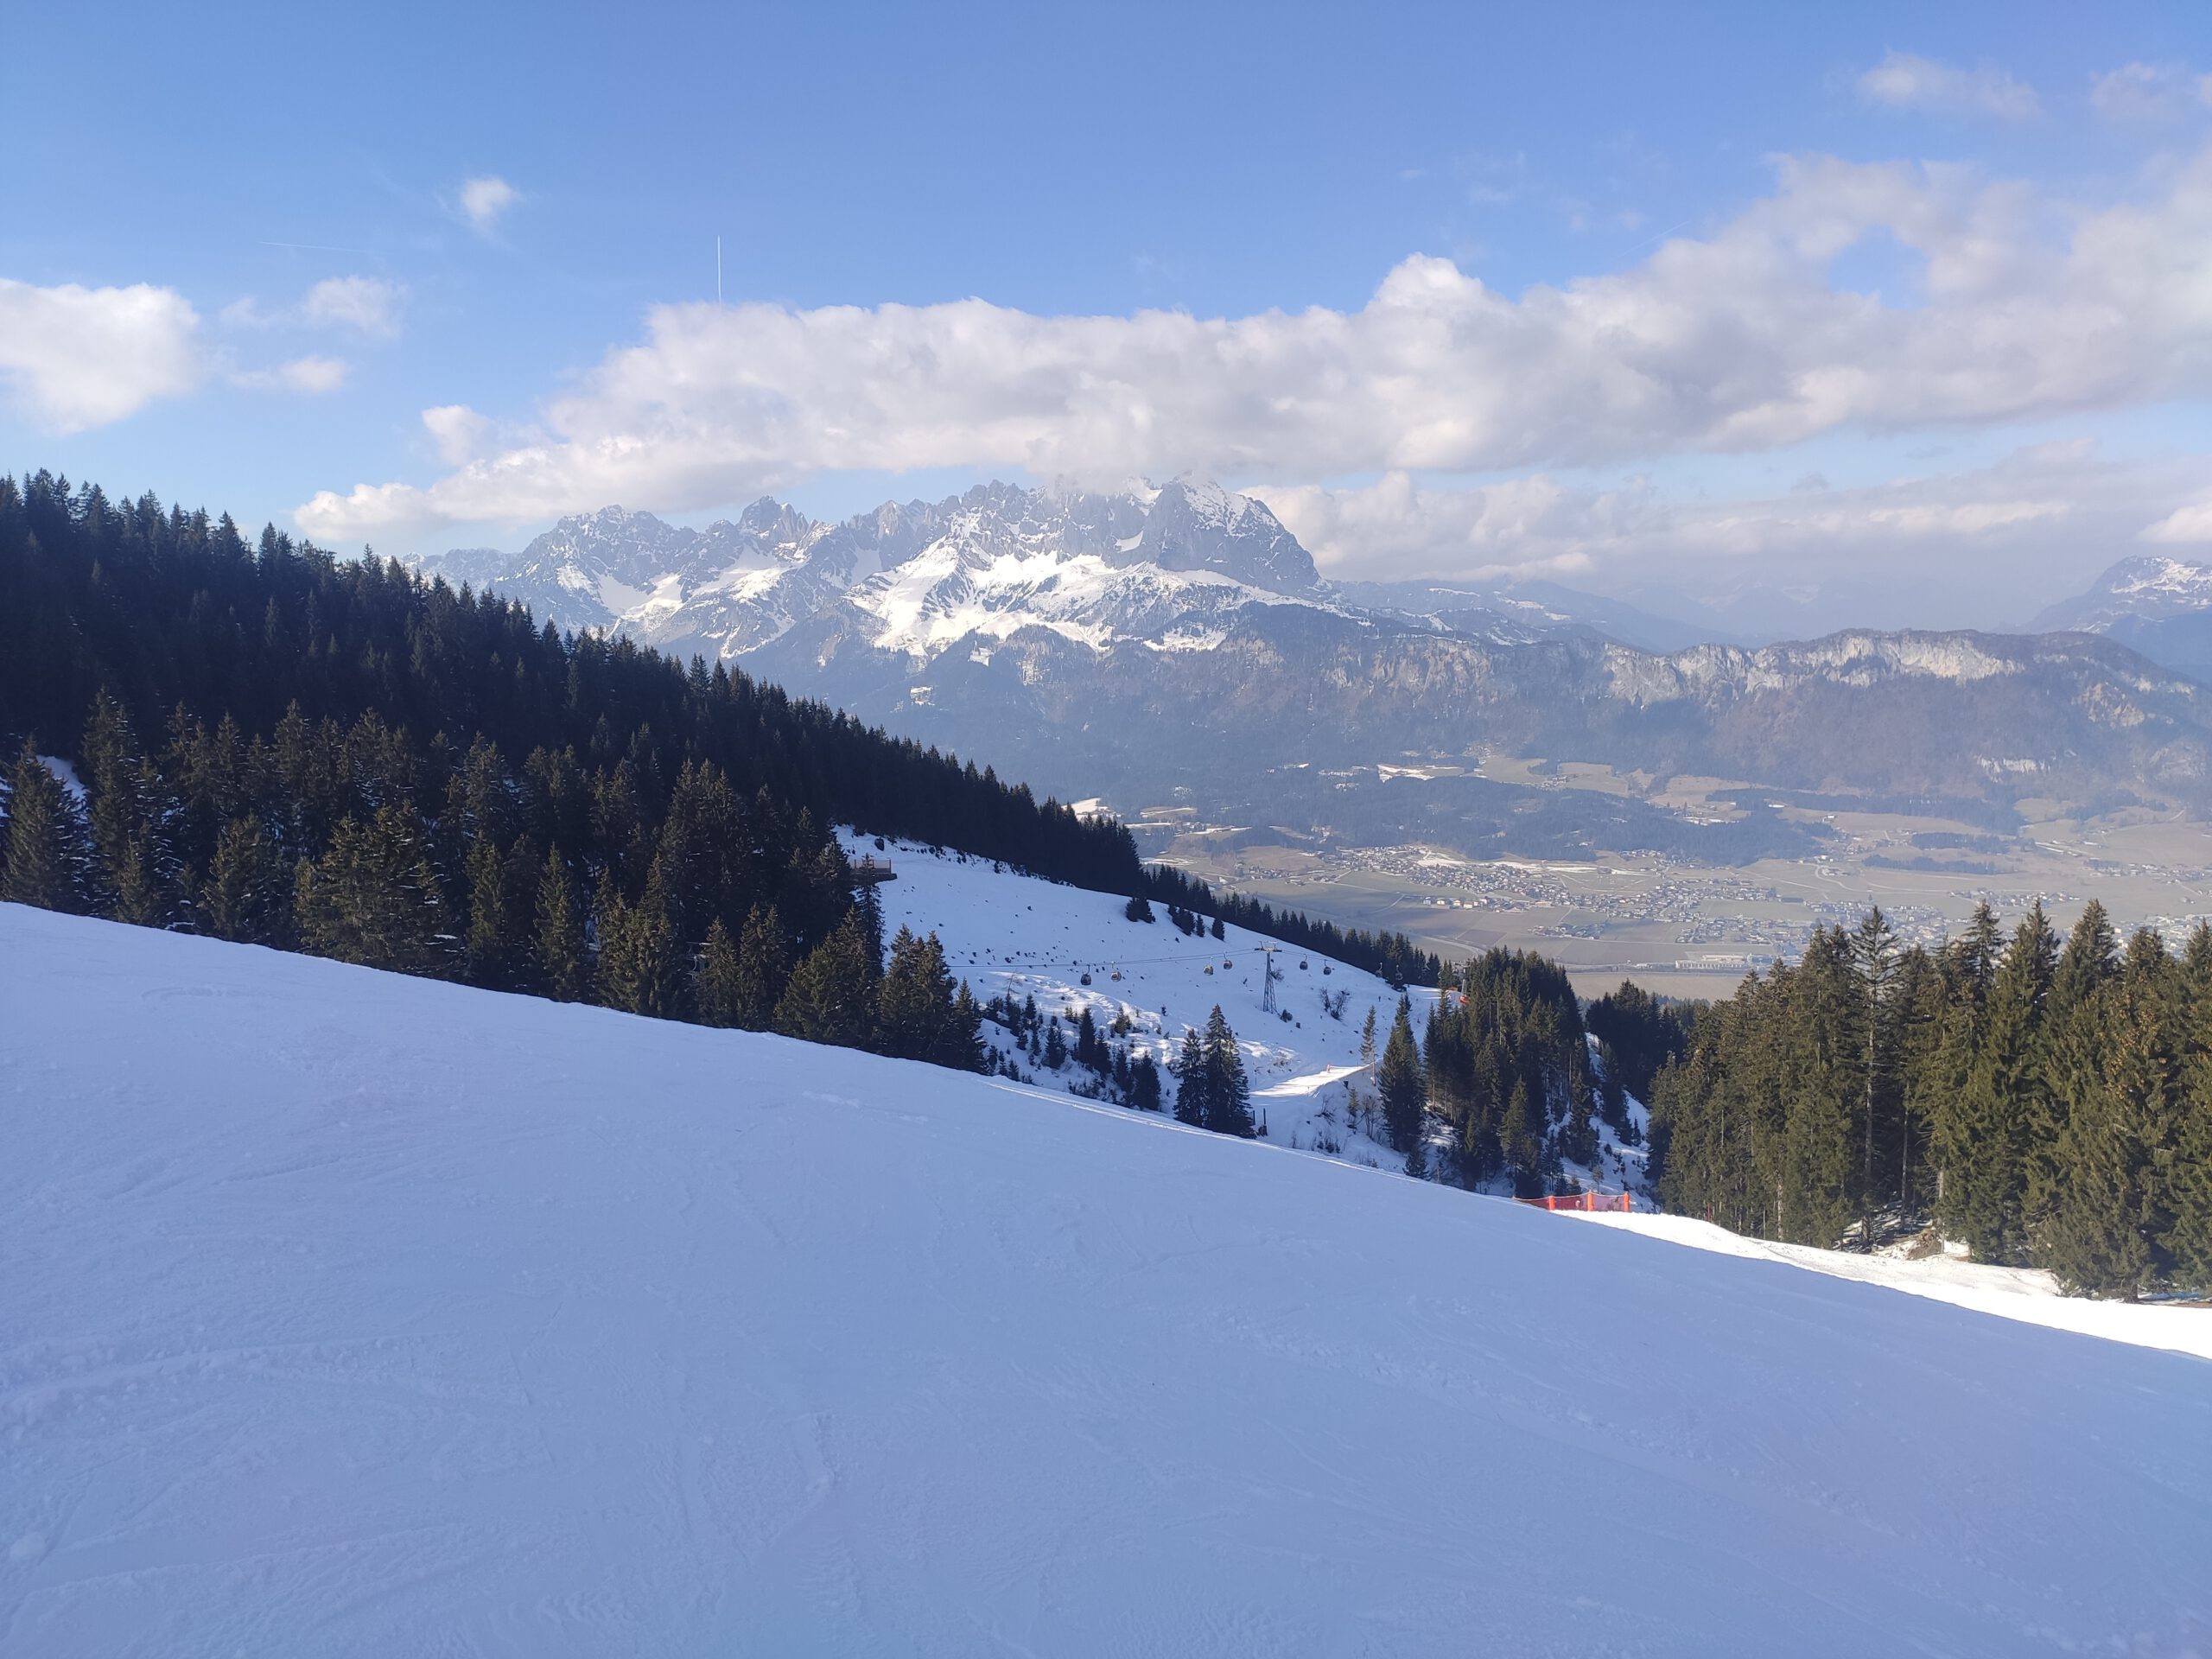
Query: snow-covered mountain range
<point>1138,643</point>
<point>918,578</point>
<point>1167,567</point>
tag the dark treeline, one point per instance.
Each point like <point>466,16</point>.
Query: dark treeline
<point>1390,956</point>
<point>2048,1102</point>
<point>176,616</point>
<point>169,609</point>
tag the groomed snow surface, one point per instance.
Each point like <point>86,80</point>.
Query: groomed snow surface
<point>347,1313</point>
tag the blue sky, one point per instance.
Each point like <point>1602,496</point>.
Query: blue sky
<point>292,188</point>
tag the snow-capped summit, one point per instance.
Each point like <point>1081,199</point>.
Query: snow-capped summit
<point>916,578</point>
<point>2160,606</point>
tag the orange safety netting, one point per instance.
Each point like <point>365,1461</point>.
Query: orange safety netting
<point>1619,1201</point>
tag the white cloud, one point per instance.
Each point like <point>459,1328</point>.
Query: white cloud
<point>2047,517</point>
<point>2191,522</point>
<point>1737,342</point>
<point>457,431</point>
<point>310,375</point>
<point>484,200</point>
<point>2142,94</point>
<point>369,304</point>
<point>1905,81</point>
<point>75,358</point>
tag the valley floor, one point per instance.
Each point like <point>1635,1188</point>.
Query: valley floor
<point>343,1314</point>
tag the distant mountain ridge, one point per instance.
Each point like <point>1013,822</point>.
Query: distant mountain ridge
<point>2157,604</point>
<point>1178,642</point>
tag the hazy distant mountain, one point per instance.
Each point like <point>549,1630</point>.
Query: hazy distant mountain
<point>1541,607</point>
<point>1177,644</point>
<point>2162,607</point>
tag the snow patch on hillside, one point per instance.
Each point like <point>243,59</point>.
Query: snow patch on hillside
<point>1014,934</point>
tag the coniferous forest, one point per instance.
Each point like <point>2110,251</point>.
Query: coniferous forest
<point>335,755</point>
<point>2048,1102</point>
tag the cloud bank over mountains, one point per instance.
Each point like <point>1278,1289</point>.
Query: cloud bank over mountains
<point>2018,305</point>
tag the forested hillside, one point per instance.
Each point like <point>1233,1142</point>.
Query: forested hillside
<point>2048,1102</point>
<point>282,747</point>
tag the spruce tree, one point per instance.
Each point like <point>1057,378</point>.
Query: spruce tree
<point>373,898</point>
<point>1402,1085</point>
<point>1193,1088</point>
<point>246,896</point>
<point>962,1045</point>
<point>120,881</point>
<point>637,952</point>
<point>2077,1033</point>
<point>2188,1237</point>
<point>2108,1216</point>
<point>491,945</point>
<point>762,969</point>
<point>46,846</point>
<point>918,1014</point>
<point>1874,955</point>
<point>562,955</point>
<point>715,985</point>
<point>1228,1096</point>
<point>1144,1083</point>
<point>830,996</point>
<point>2002,1102</point>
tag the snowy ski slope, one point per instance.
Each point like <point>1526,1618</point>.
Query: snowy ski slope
<point>344,1314</point>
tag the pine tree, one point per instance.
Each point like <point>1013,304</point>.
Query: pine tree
<point>2188,1237</point>
<point>563,955</point>
<point>1193,1087</point>
<point>2077,1033</point>
<point>1092,1049</point>
<point>373,898</point>
<point>1056,1046</point>
<point>1403,1087</point>
<point>918,1011</point>
<point>961,1046</point>
<point>830,996</point>
<point>1228,1096</point>
<point>1144,1083</point>
<point>246,896</point>
<point>2002,1102</point>
<point>1874,955</point>
<point>2108,1216</point>
<point>715,988</point>
<point>492,944</point>
<point>46,846</point>
<point>122,880</point>
<point>868,911</point>
<point>637,952</point>
<point>1138,909</point>
<point>762,969</point>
